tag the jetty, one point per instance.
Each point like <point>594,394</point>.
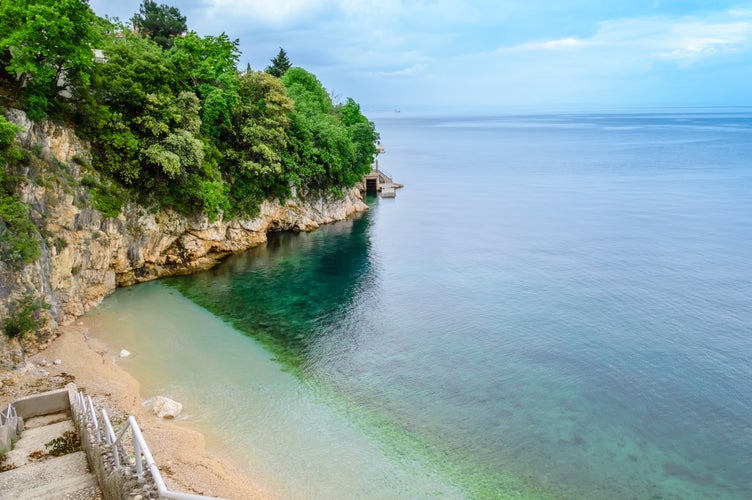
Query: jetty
<point>379,182</point>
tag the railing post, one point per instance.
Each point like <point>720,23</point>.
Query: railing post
<point>95,421</point>
<point>106,437</point>
<point>81,409</point>
<point>139,464</point>
<point>109,435</point>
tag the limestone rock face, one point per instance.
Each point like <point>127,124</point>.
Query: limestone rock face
<point>166,408</point>
<point>85,256</point>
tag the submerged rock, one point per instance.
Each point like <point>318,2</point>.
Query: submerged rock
<point>166,408</point>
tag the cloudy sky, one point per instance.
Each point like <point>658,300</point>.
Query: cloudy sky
<point>500,54</point>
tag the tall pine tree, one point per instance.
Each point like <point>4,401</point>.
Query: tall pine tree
<point>280,64</point>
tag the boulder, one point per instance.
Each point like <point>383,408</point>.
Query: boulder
<point>166,408</point>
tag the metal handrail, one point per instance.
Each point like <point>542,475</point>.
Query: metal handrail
<point>141,449</point>
<point>7,414</point>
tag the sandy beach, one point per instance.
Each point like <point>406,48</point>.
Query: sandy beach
<point>181,454</point>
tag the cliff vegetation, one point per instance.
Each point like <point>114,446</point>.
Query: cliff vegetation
<point>137,150</point>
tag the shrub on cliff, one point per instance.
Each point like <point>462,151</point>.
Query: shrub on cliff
<point>19,237</point>
<point>25,318</point>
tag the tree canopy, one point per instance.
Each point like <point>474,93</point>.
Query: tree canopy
<point>47,46</point>
<point>161,23</point>
<point>170,119</point>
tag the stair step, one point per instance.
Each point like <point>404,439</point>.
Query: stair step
<point>66,477</point>
<point>42,420</point>
<point>34,439</point>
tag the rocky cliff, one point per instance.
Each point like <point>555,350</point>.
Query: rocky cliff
<point>85,255</point>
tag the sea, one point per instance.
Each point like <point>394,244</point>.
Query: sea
<point>553,306</point>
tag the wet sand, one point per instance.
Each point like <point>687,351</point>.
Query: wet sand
<point>181,454</point>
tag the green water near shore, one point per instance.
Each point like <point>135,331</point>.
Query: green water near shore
<point>282,432</point>
<point>555,306</point>
<point>292,296</point>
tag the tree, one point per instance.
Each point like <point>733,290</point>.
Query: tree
<point>321,153</point>
<point>48,47</point>
<point>161,23</point>
<point>134,71</point>
<point>280,64</point>
<point>208,67</point>
<point>257,141</point>
<point>25,319</point>
<point>363,133</point>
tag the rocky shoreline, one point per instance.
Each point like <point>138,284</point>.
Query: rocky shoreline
<point>86,256</point>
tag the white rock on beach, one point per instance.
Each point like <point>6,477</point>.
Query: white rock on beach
<point>125,353</point>
<point>57,362</point>
<point>166,407</point>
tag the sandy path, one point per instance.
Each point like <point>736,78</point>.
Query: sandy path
<point>180,453</point>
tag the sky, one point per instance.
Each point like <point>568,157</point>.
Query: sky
<point>536,54</point>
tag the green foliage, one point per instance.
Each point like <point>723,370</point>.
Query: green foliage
<point>171,120</point>
<point>19,237</point>
<point>363,133</point>
<point>306,90</point>
<point>89,181</point>
<point>60,244</point>
<point>80,160</point>
<point>280,64</point>
<point>69,442</point>
<point>257,142</point>
<point>208,66</point>
<point>48,44</point>
<point>324,154</point>
<point>107,199</point>
<point>161,23</point>
<point>25,318</point>
<point>8,133</point>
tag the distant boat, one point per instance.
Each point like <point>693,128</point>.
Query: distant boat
<point>397,111</point>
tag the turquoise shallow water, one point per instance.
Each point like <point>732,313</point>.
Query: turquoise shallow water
<point>555,305</point>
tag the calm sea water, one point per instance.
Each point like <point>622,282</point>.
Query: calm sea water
<point>554,305</point>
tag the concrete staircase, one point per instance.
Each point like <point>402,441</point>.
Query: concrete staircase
<point>124,467</point>
<point>34,474</point>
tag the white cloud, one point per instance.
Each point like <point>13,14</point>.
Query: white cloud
<point>265,11</point>
<point>693,41</point>
<point>562,43</point>
<point>686,40</point>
